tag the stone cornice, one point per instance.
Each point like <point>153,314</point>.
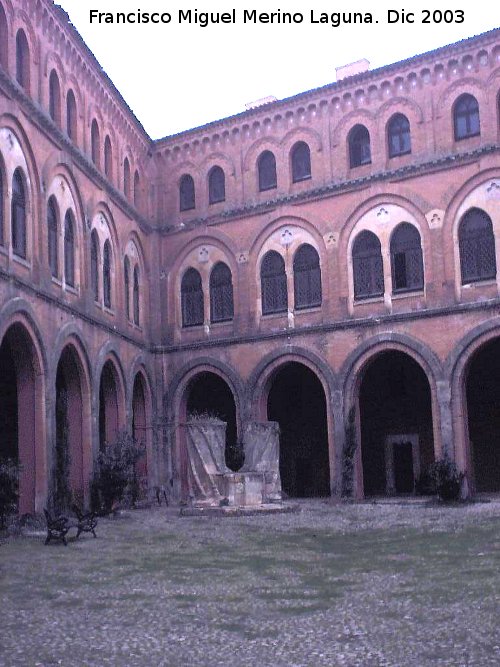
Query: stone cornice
<point>332,327</point>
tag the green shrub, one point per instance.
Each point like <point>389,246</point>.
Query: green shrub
<point>446,478</point>
<point>9,489</point>
<point>114,474</point>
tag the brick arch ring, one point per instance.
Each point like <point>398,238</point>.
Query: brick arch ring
<point>261,377</point>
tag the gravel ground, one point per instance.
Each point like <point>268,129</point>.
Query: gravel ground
<point>396,585</point>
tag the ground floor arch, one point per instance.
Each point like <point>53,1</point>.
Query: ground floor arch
<point>482,396</point>
<point>142,429</point>
<point>110,400</point>
<point>296,400</point>
<point>22,423</point>
<point>72,455</point>
<point>209,394</point>
<point>395,424</point>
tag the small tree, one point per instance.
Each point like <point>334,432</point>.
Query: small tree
<point>9,489</point>
<point>350,446</point>
<point>114,472</point>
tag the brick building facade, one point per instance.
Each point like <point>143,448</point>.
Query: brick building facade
<point>338,248</point>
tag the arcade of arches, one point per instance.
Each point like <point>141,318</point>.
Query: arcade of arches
<point>396,420</point>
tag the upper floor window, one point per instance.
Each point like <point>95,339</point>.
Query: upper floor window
<point>69,249</point>
<point>359,146</point>
<point>216,185</point>
<point>192,299</point>
<point>306,277</point>
<point>186,193</point>
<point>466,117</point>
<point>18,215</point>
<point>95,143</point>
<point>108,158</point>
<point>266,166</point>
<point>54,98</point>
<point>221,294</point>
<point>94,264</point>
<point>136,295</point>
<point>477,247</point>
<point>301,162</point>
<point>4,50</point>
<point>137,189</point>
<point>126,275</point>
<point>367,266</point>
<point>22,61</point>
<point>71,119</point>
<point>398,135</point>
<point>406,259</point>
<point>52,236</point>
<point>126,178</point>
<point>106,273</point>
<point>273,284</point>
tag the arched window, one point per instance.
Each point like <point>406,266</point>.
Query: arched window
<point>466,117</point>
<point>186,193</point>
<point>136,295</point>
<point>273,284</point>
<point>301,162</point>
<point>367,266</point>
<point>266,165</point>
<point>71,119</point>
<point>306,277</point>
<point>95,143</point>
<point>359,146</point>
<point>221,294</point>
<point>52,236</point>
<point>398,135</point>
<point>406,259</point>
<point>216,185</point>
<point>137,189</point>
<point>2,204</point>
<point>69,249</point>
<point>4,48</point>
<point>94,264</point>
<point>22,61</point>
<point>192,299</point>
<point>108,158</point>
<point>126,178</point>
<point>54,98</point>
<point>106,274</point>
<point>477,247</point>
<point>126,275</point>
<point>18,215</point>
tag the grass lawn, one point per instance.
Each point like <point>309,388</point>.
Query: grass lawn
<point>333,585</point>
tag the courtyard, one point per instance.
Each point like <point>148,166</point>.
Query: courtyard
<point>386,584</point>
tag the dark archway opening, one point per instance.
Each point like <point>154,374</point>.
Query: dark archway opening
<point>20,411</point>
<point>397,444</point>
<point>139,430</point>
<point>68,482</point>
<point>8,405</point>
<point>208,394</point>
<point>108,406</point>
<point>483,407</point>
<point>297,402</point>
